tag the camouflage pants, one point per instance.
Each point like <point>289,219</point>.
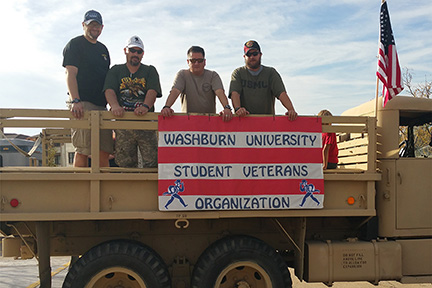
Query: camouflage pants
<point>128,142</point>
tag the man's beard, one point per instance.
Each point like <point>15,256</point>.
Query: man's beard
<point>254,66</point>
<point>131,62</point>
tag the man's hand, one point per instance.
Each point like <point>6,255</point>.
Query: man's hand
<point>77,110</point>
<point>167,111</point>
<point>141,110</point>
<point>117,110</point>
<point>242,112</point>
<point>292,115</point>
<point>226,115</point>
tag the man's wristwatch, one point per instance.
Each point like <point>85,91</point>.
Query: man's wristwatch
<point>227,107</point>
<point>75,100</point>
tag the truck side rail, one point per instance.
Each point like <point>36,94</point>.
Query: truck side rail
<point>101,193</point>
<point>56,126</point>
<point>353,152</point>
<point>357,135</point>
<point>356,141</point>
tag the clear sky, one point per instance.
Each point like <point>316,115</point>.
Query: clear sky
<point>325,50</point>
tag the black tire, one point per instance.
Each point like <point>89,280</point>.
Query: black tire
<point>240,261</point>
<point>118,263</point>
<point>73,260</point>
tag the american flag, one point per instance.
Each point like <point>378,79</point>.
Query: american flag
<point>388,64</point>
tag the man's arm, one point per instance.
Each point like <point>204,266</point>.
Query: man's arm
<point>286,102</point>
<point>111,98</point>
<point>76,108</point>
<point>234,93</point>
<point>149,101</point>
<point>167,111</point>
<point>235,98</point>
<point>226,113</point>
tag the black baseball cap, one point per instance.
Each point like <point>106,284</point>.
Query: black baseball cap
<point>252,44</point>
<point>91,16</point>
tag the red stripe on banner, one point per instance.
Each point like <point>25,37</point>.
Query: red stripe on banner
<point>242,187</point>
<point>238,124</point>
<point>238,155</point>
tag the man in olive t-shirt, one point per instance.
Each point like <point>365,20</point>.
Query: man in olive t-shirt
<point>254,87</point>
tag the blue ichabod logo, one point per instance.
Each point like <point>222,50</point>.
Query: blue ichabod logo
<point>309,189</point>
<point>173,191</point>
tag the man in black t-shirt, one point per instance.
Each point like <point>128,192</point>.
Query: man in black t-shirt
<point>87,62</point>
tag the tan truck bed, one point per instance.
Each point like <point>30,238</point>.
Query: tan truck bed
<point>61,193</point>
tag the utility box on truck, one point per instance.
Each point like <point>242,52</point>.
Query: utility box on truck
<point>374,224</point>
<point>363,260</point>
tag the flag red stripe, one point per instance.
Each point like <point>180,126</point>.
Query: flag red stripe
<point>238,155</point>
<point>242,187</point>
<point>239,124</point>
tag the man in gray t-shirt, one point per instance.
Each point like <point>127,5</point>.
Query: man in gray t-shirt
<point>198,88</point>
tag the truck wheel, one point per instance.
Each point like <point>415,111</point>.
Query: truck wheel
<point>241,261</point>
<point>118,264</point>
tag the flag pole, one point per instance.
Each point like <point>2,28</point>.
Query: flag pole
<point>376,96</point>
<point>377,79</point>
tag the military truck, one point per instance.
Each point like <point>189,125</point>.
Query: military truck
<point>375,223</point>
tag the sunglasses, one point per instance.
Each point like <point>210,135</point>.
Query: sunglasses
<point>194,60</point>
<point>132,50</point>
<point>94,24</point>
<point>252,54</point>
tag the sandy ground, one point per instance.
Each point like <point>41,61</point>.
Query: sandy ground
<point>24,274</point>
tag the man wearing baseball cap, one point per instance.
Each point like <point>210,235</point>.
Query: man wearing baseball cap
<point>254,87</point>
<point>87,61</point>
<point>133,86</point>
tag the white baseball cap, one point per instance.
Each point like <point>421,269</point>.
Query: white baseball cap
<point>134,41</point>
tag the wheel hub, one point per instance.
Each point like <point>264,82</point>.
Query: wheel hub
<point>119,285</point>
<point>116,277</point>
<point>244,274</point>
<point>242,284</point>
